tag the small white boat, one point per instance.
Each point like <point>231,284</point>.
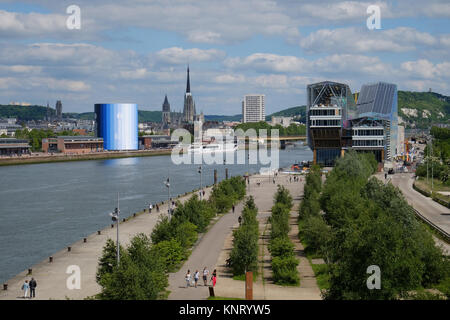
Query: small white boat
<point>197,147</point>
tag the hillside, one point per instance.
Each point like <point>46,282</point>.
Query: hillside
<point>290,112</point>
<point>422,109</point>
<point>417,109</point>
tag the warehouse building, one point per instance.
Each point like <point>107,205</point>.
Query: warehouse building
<point>72,145</point>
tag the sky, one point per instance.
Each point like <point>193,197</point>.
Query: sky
<point>137,51</point>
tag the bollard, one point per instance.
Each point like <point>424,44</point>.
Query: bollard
<point>84,240</point>
<point>226,173</point>
<point>69,249</point>
<point>112,226</point>
<point>211,291</point>
<point>99,232</point>
<point>5,286</point>
<point>50,259</point>
<point>30,271</point>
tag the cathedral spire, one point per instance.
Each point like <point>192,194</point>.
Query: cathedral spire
<point>188,85</point>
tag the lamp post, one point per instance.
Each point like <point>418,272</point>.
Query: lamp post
<point>201,187</point>
<point>167,183</point>
<point>115,217</point>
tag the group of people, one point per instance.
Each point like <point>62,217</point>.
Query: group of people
<point>29,286</point>
<point>296,179</point>
<point>150,208</point>
<point>193,280</point>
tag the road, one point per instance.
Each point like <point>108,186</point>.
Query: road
<point>429,208</point>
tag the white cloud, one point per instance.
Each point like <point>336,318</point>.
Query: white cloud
<point>361,39</point>
<point>268,62</point>
<point>177,55</point>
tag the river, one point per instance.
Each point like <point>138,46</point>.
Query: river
<point>46,207</point>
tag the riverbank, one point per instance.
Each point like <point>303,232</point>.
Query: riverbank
<point>82,157</point>
<point>51,274</point>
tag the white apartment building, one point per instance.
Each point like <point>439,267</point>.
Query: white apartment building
<point>253,108</point>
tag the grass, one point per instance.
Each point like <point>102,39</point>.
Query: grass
<point>322,275</point>
<point>223,298</point>
<point>438,185</point>
<point>241,277</point>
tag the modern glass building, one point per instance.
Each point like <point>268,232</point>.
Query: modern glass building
<point>329,106</point>
<point>117,124</point>
<point>378,102</point>
<point>336,123</point>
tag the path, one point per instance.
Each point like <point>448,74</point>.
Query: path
<point>262,289</point>
<point>51,277</point>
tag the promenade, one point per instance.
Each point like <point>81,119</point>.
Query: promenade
<point>52,277</point>
<point>214,248</point>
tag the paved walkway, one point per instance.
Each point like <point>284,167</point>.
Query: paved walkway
<point>210,246</point>
<point>51,277</point>
<point>263,287</point>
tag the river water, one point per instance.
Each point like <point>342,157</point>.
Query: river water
<point>46,207</point>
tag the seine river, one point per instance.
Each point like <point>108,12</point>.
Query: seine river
<point>46,207</point>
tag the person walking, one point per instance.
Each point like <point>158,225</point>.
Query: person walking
<point>25,288</point>
<point>214,277</point>
<point>233,208</point>
<point>205,276</point>
<point>150,207</point>
<point>203,192</point>
<point>33,286</point>
<point>196,276</point>
<point>157,208</point>
<point>188,278</point>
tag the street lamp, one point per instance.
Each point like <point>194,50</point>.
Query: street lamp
<point>115,217</point>
<point>167,183</point>
<point>200,171</point>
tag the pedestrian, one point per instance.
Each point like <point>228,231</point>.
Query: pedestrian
<point>274,181</point>
<point>188,278</point>
<point>233,208</point>
<point>203,192</point>
<point>157,208</point>
<point>205,276</point>
<point>214,277</point>
<point>150,207</point>
<point>290,179</point>
<point>25,288</point>
<point>33,286</point>
<point>239,220</point>
<point>196,275</point>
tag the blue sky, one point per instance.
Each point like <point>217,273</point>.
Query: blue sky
<point>137,51</point>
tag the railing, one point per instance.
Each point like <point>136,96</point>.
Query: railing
<point>441,231</point>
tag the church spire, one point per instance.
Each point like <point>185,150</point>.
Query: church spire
<point>188,85</point>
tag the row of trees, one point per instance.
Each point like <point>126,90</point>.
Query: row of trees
<point>368,223</point>
<point>35,136</point>
<point>439,156</point>
<point>292,130</point>
<point>244,255</point>
<point>145,264</point>
<point>284,263</point>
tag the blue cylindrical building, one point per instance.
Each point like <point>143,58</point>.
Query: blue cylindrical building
<point>117,124</point>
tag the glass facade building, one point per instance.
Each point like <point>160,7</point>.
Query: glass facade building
<point>117,124</point>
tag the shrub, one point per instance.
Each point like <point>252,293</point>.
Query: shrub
<point>281,247</point>
<point>170,252</point>
<point>316,234</point>
<point>285,270</point>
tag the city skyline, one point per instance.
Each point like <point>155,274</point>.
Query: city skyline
<point>275,48</point>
